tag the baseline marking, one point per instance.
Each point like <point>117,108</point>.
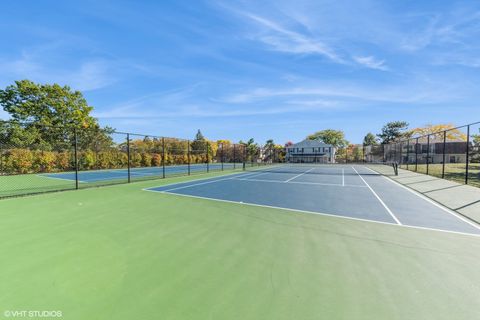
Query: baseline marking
<point>317,213</point>
<point>198,184</point>
<point>379,199</point>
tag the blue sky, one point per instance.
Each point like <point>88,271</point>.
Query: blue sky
<point>262,69</point>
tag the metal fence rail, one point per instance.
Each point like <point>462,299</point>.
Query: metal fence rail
<point>452,154</point>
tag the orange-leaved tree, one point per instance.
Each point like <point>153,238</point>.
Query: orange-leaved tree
<point>452,133</point>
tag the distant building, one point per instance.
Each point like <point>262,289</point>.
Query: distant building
<point>310,151</point>
<point>455,152</point>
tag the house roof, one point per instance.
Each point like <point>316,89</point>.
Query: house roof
<point>309,144</point>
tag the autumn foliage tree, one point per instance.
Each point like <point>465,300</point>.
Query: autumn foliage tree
<point>452,133</point>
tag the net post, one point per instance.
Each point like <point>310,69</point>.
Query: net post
<point>163,157</point>
<point>128,157</point>
<point>206,149</point>
<point>76,156</point>
<point>444,153</point>
<point>428,152</point>
<point>188,156</point>
<point>467,154</point>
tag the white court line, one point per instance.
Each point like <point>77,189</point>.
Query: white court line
<point>298,175</point>
<point>63,179</point>
<point>379,199</point>
<point>473,224</point>
<point>317,213</point>
<point>198,184</point>
<point>298,182</point>
<point>231,175</point>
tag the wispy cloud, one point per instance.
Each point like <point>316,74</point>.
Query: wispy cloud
<point>185,102</point>
<point>85,75</point>
<point>283,39</point>
<point>371,62</point>
<point>411,93</point>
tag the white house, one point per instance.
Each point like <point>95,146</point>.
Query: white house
<point>310,151</point>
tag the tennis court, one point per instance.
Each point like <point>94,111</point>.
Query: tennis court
<point>144,172</point>
<point>355,192</point>
<point>284,242</point>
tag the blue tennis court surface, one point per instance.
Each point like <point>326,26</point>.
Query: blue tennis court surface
<point>340,190</point>
<point>117,174</point>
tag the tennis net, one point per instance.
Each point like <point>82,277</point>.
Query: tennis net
<point>382,168</point>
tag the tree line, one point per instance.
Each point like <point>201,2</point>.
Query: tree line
<point>47,122</point>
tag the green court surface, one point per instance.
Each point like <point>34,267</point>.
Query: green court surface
<point>122,253</point>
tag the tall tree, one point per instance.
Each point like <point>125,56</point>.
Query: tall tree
<point>393,131</point>
<point>199,136</point>
<point>46,115</point>
<point>269,150</point>
<point>199,143</point>
<point>269,144</point>
<point>329,136</point>
<point>45,104</point>
<point>252,149</point>
<point>370,140</point>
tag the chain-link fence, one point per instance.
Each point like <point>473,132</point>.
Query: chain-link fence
<point>452,154</point>
<point>37,159</point>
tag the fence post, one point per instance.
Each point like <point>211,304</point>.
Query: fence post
<point>188,155</point>
<point>163,157</point>
<point>208,168</point>
<point>395,152</point>
<point>401,154</point>
<point>234,164</point>
<point>444,152</point>
<point>467,154</point>
<point>244,156</point>
<point>221,154</point>
<point>416,155</point>
<point>128,156</point>
<point>408,152</point>
<point>76,157</point>
<point>383,150</point>
<point>428,152</point>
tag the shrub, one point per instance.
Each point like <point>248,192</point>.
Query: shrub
<point>43,161</point>
<point>19,161</point>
